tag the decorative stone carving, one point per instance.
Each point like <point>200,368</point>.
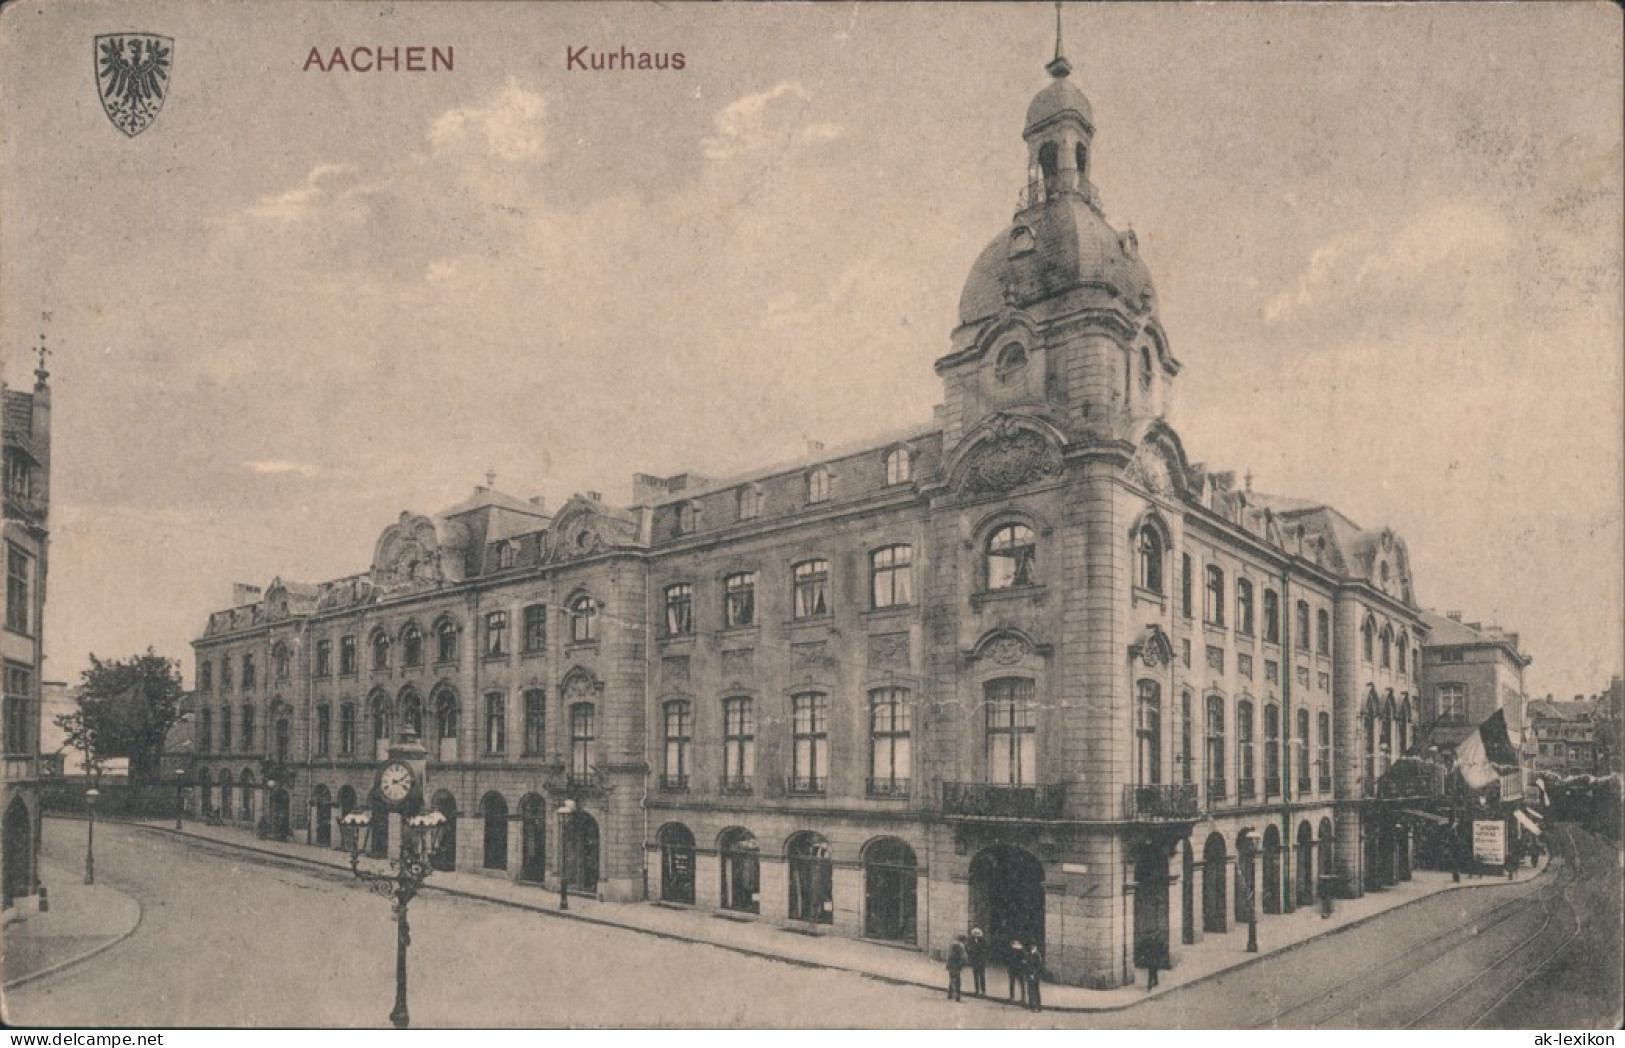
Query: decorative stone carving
<point>1215,658</point>
<point>675,667</point>
<point>579,688</point>
<point>1244,666</point>
<point>810,655</point>
<point>889,651</point>
<point>1007,651</point>
<point>1149,470</point>
<point>1009,460</point>
<point>736,664</point>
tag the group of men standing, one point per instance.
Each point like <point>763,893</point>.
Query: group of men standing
<point>1025,965</point>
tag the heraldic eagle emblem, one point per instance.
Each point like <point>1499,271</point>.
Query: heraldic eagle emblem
<point>132,76</point>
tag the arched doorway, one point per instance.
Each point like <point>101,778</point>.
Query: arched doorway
<point>1151,907</point>
<point>380,830</point>
<point>1246,877</point>
<point>741,870</point>
<point>890,881</point>
<point>321,816</point>
<point>1007,896</point>
<point>205,792</point>
<point>1214,860</point>
<point>676,863</point>
<point>1370,851</point>
<point>811,878</point>
<point>281,814</point>
<point>532,838</point>
<point>1324,847</point>
<point>1187,892</point>
<point>228,804</point>
<point>245,795</point>
<point>347,802</point>
<point>1272,869</point>
<point>1306,864</point>
<point>19,846</point>
<point>494,815</point>
<point>445,853</point>
<point>581,850</point>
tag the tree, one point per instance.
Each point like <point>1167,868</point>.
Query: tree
<point>82,737</point>
<point>126,707</point>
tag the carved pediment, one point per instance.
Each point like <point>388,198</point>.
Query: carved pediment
<point>1009,458</point>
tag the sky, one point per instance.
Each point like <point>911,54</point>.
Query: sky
<point>1387,245</point>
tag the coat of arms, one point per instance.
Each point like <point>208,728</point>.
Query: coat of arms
<point>132,76</point>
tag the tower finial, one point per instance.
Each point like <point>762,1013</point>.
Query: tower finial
<point>1058,66</point>
<point>491,479</point>
<point>40,373</point>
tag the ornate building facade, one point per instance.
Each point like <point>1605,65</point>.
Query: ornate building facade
<point>1025,666</point>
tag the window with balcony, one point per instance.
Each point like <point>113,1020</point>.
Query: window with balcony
<point>1213,606</point>
<point>679,609</point>
<point>809,723</point>
<point>583,734</point>
<point>496,724</point>
<point>810,589</point>
<point>1011,732</point>
<point>1244,607</point>
<point>739,599</point>
<point>891,577</point>
<point>1215,747</point>
<point>496,634</point>
<point>1012,557</point>
<point>1148,733</point>
<point>679,741</point>
<point>1246,772</point>
<point>738,744</point>
<point>1272,750</point>
<point>890,742</point>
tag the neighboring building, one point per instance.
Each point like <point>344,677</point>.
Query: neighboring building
<point>1024,666</point>
<point>1565,738</point>
<point>1469,671</point>
<point>1610,720</point>
<point>27,426</point>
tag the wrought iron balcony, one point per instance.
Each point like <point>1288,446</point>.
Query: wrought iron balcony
<point>888,787</point>
<point>674,783</point>
<point>1149,803</point>
<point>1325,784</point>
<point>735,784</point>
<point>807,783</point>
<point>1001,801</point>
<point>1272,786</point>
<point>1216,791</point>
<point>1246,790</point>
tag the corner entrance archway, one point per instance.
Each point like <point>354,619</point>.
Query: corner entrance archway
<point>812,880</point>
<point>741,870</point>
<point>1151,907</point>
<point>532,838</point>
<point>1272,870</point>
<point>676,863</point>
<point>445,853</point>
<point>1306,864</point>
<point>1007,896</point>
<point>19,845</point>
<point>890,879</point>
<point>1214,861</point>
<point>494,816</point>
<point>581,851</point>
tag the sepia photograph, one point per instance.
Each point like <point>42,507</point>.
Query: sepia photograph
<point>954,517</point>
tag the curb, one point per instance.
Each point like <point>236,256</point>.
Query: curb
<point>802,963</point>
<point>100,948</point>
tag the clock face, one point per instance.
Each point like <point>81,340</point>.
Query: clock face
<point>395,782</point>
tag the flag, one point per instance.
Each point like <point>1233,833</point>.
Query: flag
<point>1483,749</point>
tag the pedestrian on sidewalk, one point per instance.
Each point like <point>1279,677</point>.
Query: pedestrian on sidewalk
<point>1155,956</point>
<point>976,948</point>
<point>957,960</point>
<point>1033,970</point>
<point>1014,964</point>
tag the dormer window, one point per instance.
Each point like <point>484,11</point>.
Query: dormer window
<point>688,518</point>
<point>818,483</point>
<point>1021,241</point>
<point>750,502</point>
<point>898,467</point>
<point>506,554</point>
<point>1012,362</point>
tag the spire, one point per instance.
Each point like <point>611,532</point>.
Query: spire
<point>40,374</point>
<point>1058,66</point>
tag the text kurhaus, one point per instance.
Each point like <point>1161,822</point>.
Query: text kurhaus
<point>584,58</point>
<point>377,59</point>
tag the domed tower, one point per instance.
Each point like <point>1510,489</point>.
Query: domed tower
<point>1058,317</point>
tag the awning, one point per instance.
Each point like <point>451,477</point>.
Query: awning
<point>1528,823</point>
<point>1426,816</point>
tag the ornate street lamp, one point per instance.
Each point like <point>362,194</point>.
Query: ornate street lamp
<point>180,794</point>
<point>566,810</point>
<point>1247,844</point>
<point>90,834</point>
<point>420,837</point>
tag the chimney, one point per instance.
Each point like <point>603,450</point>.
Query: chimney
<point>538,502</point>
<point>1453,616</point>
<point>243,593</point>
<point>594,496</point>
<point>1476,627</point>
<point>815,447</point>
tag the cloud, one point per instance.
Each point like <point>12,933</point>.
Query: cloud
<point>510,126</point>
<point>282,466</point>
<point>766,124</point>
<point>293,204</point>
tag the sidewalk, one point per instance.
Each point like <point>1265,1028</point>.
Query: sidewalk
<point>1215,954</point>
<point>83,920</point>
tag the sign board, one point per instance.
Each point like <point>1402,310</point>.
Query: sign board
<point>1512,785</point>
<point>1490,841</point>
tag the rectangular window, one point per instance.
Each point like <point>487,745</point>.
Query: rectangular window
<point>496,725</point>
<point>679,610</point>
<point>1272,751</point>
<point>225,673</point>
<point>891,577</point>
<point>1245,781</point>
<point>1215,748</point>
<point>1185,584</point>
<point>1244,607</point>
<point>583,731</point>
<point>19,573</point>
<point>1323,757</point>
<point>324,658</point>
<point>535,628</point>
<point>1300,622</point>
<point>248,727</point>
<point>890,742</point>
<point>738,743</point>
<point>20,721</point>
<point>249,677</point>
<point>347,655</point>
<point>1187,738</point>
<point>810,585</point>
<point>679,738</point>
<point>1323,632</point>
<point>324,730</point>
<point>739,599</point>
<point>1012,726</point>
<point>446,642</point>
<point>496,634</point>
<point>535,721</point>
<point>347,730</point>
<point>205,731</point>
<point>1213,609</point>
<point>205,676</point>
<point>1452,703</point>
<point>1272,617</point>
<point>225,727</point>
<point>1148,733</point>
<point>809,715</point>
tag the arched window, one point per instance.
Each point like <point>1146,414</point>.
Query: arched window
<point>1403,643</point>
<point>741,870</point>
<point>583,619</point>
<point>811,877</point>
<point>583,733</point>
<point>898,467</point>
<point>445,632</point>
<point>1387,648</point>
<point>891,576</point>
<point>890,884</point>
<point>1145,368</point>
<point>347,729</point>
<point>1081,154</point>
<point>380,650</point>
<point>445,724</point>
<point>535,740</point>
<point>890,742</point>
<point>1272,750</point>
<point>679,741</point>
<point>412,646</point>
<point>809,582</point>
<point>534,624</point>
<point>1148,558</point>
<point>1272,616</point>
<point>1012,554</point>
<point>809,724</point>
<point>496,634</point>
<point>496,723</point>
<point>412,713</point>
<point>279,661</point>
<point>1215,748</point>
<point>1148,733</point>
<point>818,484</point>
<point>1246,777</point>
<point>1213,611</point>
<point>1244,606</point>
<point>383,727</point>
<point>1368,638</point>
<point>1048,161</point>
<point>1368,722</point>
<point>1012,731</point>
<point>738,744</point>
<point>1011,362</point>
